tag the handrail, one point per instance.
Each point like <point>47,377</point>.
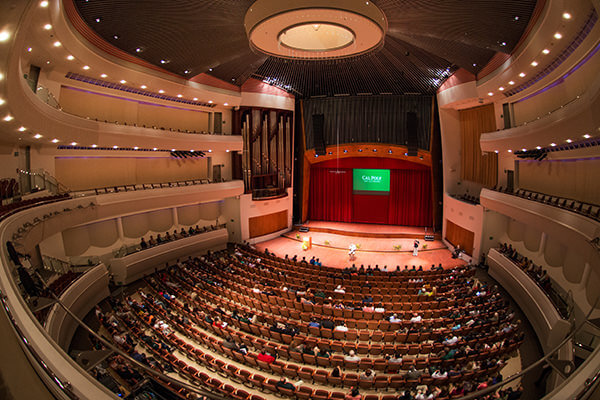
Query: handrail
<point>143,186</point>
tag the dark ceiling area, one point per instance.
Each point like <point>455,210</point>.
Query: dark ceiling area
<point>426,41</point>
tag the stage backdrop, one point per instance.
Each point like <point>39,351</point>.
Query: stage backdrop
<point>408,202</point>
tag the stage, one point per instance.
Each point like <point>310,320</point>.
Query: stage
<point>377,244</point>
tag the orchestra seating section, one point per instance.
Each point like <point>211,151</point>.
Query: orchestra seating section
<point>237,322</point>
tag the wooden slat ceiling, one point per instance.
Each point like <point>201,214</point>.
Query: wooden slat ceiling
<point>426,41</point>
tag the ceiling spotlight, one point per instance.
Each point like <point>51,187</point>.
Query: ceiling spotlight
<point>516,18</point>
<point>587,136</point>
<point>37,136</point>
<point>97,19</point>
<point>75,144</point>
<point>210,151</point>
<point>511,82</point>
<point>29,49</point>
<point>136,148</point>
<point>163,61</point>
<point>2,101</point>
<point>57,44</point>
<point>474,64</point>
<point>44,3</point>
<point>180,95</point>
<point>123,81</point>
<point>138,49</point>
<point>227,151</point>
<point>187,71</point>
<point>496,151</point>
<point>534,64</point>
<point>22,129</point>
<point>523,149</point>
<point>522,74</point>
<point>558,35</point>
<point>225,104</point>
<point>490,93</point>
<point>47,27</point>
<point>566,15</point>
<point>86,67</point>
<point>155,149</point>
<point>54,140</point>
<point>192,150</point>
<point>116,37</point>
<point>195,99</point>
<point>501,88</point>
<point>389,151</point>
<point>510,151</point>
<point>70,57</point>
<point>552,144</point>
<point>538,147</point>
<point>144,87</point>
<point>161,91</point>
<point>569,140</point>
<point>172,149</point>
<point>8,118</point>
<point>545,51</point>
<point>210,70</point>
<point>210,102</point>
<point>4,35</point>
<point>115,147</point>
<point>48,62</point>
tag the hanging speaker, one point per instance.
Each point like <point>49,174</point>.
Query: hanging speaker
<point>318,121</point>
<point>412,140</point>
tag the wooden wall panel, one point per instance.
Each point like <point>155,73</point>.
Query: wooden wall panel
<point>457,235</point>
<point>266,224</point>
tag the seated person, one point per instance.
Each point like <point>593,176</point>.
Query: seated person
<point>191,231</point>
<point>175,235</point>
<point>353,394</point>
<point>283,383</point>
<point>152,241</point>
<point>183,233</point>
<point>159,239</point>
<point>143,244</point>
<point>168,237</point>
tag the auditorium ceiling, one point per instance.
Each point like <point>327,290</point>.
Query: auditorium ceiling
<point>426,40</point>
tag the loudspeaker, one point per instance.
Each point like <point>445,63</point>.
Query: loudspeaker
<point>412,140</point>
<point>318,121</point>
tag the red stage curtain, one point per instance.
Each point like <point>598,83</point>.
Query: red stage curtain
<point>330,194</point>
<point>410,198</point>
<point>408,203</point>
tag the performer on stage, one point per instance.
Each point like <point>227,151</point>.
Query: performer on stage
<point>352,252</point>
<point>416,248</point>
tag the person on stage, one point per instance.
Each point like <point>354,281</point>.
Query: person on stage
<point>416,248</point>
<point>352,251</point>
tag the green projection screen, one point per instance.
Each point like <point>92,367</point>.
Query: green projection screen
<point>371,181</point>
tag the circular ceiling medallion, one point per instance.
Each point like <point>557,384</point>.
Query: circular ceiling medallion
<point>313,29</point>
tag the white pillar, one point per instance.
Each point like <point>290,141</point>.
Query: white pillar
<point>120,228</point>
<point>175,217</point>
<point>543,242</point>
<point>586,274</point>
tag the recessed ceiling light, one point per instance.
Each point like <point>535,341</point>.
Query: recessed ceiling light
<point>8,118</point>
<point>538,147</point>
<point>587,136</point>
<point>558,35</point>
<point>195,99</point>
<point>569,140</point>
<point>4,35</point>
<point>552,144</point>
<point>1,76</point>
<point>187,71</point>
<point>22,129</point>
<point>501,88</point>
<point>524,149</point>
<point>227,151</point>
<point>115,147</point>
<point>511,82</point>
<point>57,44</point>
<point>115,36</point>
<point>135,148</point>
<point>474,64</point>
<point>545,51</point>
<point>172,149</point>
<point>210,151</point>
<point>155,149</point>
<point>163,61</point>
<point>29,49</point>
<point>144,87</point>
<point>210,102</point>
<point>47,27</point>
<point>490,93</point>
<point>495,151</point>
<point>103,75</point>
<point>510,151</point>
<point>94,146</point>
<point>566,15</point>
<point>210,69</point>
<point>123,81</point>
<point>516,18</point>
<point>138,49</point>
<point>522,74</point>
<point>37,136</point>
<point>2,101</point>
<point>180,95</point>
<point>225,104</point>
<point>534,64</point>
<point>48,62</point>
<point>70,57</point>
<point>44,3</point>
<point>192,150</point>
<point>98,20</point>
<point>503,44</point>
<point>54,140</point>
<point>161,91</point>
<point>86,67</point>
<point>73,143</point>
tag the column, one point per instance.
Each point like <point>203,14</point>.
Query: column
<point>175,217</point>
<point>543,243</point>
<point>120,228</point>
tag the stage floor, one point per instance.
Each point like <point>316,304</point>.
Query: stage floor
<point>374,249</point>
